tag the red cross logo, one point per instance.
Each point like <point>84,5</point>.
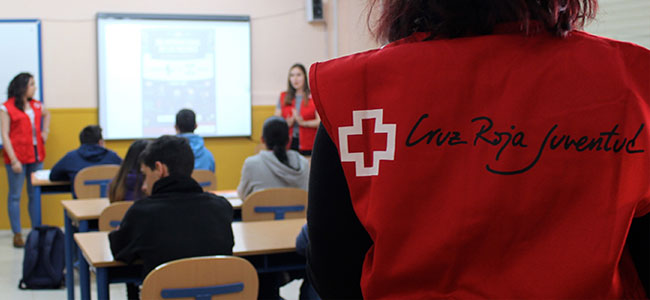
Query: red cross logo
<point>387,130</point>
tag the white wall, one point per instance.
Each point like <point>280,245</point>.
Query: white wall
<point>627,20</point>
<point>281,36</point>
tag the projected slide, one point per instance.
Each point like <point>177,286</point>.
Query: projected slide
<point>149,69</point>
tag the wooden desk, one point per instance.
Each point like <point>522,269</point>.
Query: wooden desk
<point>251,238</point>
<point>90,209</point>
<point>85,209</point>
<point>80,212</point>
<point>38,181</point>
<point>228,194</point>
<point>76,216</point>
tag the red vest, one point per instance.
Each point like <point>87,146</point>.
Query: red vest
<point>498,166</point>
<point>20,133</point>
<point>308,112</point>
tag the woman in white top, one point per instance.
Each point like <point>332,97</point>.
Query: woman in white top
<point>23,139</point>
<point>276,166</point>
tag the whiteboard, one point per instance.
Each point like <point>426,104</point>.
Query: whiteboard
<point>156,65</point>
<point>20,52</point>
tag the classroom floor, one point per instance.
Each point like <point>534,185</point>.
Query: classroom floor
<point>11,268</point>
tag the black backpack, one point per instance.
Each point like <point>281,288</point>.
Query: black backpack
<point>44,259</point>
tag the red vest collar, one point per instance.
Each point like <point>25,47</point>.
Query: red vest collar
<point>534,27</point>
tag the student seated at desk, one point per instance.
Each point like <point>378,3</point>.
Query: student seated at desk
<point>276,167</point>
<point>127,184</point>
<point>91,153</point>
<point>177,220</point>
<point>185,126</point>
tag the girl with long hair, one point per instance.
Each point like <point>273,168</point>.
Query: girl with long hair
<point>25,124</point>
<point>276,166</point>
<point>296,106</point>
<point>127,184</point>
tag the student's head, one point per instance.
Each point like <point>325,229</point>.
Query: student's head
<point>91,135</point>
<point>457,18</point>
<point>130,164</point>
<point>185,121</point>
<point>166,156</point>
<point>21,88</point>
<point>297,81</point>
<point>275,135</point>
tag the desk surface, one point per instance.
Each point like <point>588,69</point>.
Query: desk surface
<point>90,209</point>
<point>232,196</point>
<point>251,238</point>
<point>85,209</point>
<point>39,180</point>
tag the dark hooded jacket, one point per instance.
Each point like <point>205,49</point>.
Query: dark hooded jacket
<point>84,156</point>
<point>177,221</point>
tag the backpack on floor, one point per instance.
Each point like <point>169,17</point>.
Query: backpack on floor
<point>44,259</point>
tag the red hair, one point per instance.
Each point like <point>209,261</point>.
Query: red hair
<point>460,18</point>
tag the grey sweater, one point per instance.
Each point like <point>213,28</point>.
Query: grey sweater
<point>264,170</point>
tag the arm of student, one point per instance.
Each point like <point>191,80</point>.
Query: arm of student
<point>212,167</point>
<point>5,121</point>
<point>58,172</point>
<point>45,131</point>
<point>244,182</point>
<point>123,241</point>
<point>338,243</point>
<point>302,240</point>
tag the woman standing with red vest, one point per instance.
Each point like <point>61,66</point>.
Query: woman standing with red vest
<point>23,138</point>
<point>301,116</point>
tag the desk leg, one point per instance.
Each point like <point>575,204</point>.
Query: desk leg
<point>102,284</point>
<point>84,273</point>
<point>69,248</point>
<point>37,198</point>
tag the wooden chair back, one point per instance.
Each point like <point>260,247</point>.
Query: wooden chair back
<point>206,178</point>
<point>112,216</point>
<point>93,181</point>
<point>275,204</point>
<point>210,277</point>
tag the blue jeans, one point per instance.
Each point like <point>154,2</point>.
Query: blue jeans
<point>15,189</point>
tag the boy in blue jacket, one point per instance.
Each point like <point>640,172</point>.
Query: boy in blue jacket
<point>90,153</point>
<point>185,126</point>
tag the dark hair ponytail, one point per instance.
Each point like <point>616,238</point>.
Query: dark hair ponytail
<point>17,89</point>
<point>281,153</point>
<point>276,138</point>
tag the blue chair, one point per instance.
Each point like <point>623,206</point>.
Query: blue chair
<point>275,204</point>
<point>201,278</point>
<point>93,181</point>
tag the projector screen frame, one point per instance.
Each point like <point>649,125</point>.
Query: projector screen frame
<point>179,17</point>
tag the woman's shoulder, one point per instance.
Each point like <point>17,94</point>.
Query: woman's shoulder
<point>254,159</point>
<point>281,102</point>
<point>9,101</point>
<point>297,156</point>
